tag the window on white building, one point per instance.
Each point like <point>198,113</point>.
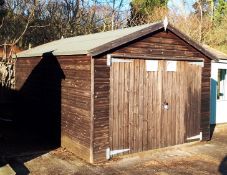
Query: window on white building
<point>222,85</point>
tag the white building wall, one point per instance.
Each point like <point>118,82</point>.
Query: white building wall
<point>218,106</point>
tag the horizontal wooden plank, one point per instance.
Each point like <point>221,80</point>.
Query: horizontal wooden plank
<point>34,79</point>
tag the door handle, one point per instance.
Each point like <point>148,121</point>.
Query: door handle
<point>165,105</point>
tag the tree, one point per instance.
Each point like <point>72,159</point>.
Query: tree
<point>206,6</point>
<point>203,24</point>
<point>3,9</point>
<point>220,11</point>
<point>144,11</point>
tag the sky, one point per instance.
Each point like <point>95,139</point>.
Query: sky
<point>181,6</point>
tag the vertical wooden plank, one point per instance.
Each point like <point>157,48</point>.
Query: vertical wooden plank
<point>186,99</point>
<point>167,97</point>
<point>198,89</point>
<point>149,110</point>
<point>120,107</point>
<point>171,103</point>
<point>168,87</point>
<point>164,112</point>
<point>126,105</point>
<point>173,107</point>
<point>190,95</point>
<point>199,96</point>
<point>141,105</point>
<point>177,94</point>
<point>111,120</point>
<point>145,108</point>
<point>123,106</point>
<point>159,105</point>
<point>92,113</point>
<point>183,103</point>
<point>115,67</point>
<point>187,102</point>
<point>152,107</point>
<point>178,97</point>
<point>195,99</point>
<point>161,77</point>
<point>131,106</point>
<point>136,104</point>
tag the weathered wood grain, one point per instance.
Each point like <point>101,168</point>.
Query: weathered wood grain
<point>152,126</point>
<point>75,96</point>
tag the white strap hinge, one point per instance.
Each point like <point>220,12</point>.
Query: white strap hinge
<point>200,137</point>
<point>110,153</point>
<point>111,60</point>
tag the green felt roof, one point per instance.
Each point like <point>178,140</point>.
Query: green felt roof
<point>80,44</point>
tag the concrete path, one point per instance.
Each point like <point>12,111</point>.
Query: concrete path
<point>7,170</point>
<point>199,158</point>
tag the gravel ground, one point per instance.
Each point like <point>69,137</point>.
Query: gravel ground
<point>199,158</point>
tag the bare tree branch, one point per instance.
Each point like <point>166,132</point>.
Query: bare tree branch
<point>2,22</point>
<point>30,17</point>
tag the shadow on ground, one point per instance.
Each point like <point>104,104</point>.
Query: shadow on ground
<point>223,166</point>
<point>212,128</point>
<point>30,117</point>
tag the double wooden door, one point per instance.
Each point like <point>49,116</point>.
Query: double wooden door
<point>153,109</point>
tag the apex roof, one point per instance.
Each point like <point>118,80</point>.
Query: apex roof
<point>95,44</point>
<point>80,44</point>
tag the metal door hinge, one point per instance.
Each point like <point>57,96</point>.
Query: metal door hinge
<point>200,136</point>
<point>111,60</point>
<point>110,153</point>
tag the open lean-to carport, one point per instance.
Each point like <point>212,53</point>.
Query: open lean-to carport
<point>129,90</point>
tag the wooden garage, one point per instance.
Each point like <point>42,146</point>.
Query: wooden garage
<point>131,90</point>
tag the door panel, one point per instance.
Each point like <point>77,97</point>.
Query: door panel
<point>138,119</point>
<point>192,120</point>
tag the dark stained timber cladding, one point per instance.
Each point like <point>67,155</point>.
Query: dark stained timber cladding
<point>73,101</point>
<point>38,85</point>
<point>76,104</point>
<point>205,102</point>
<point>160,44</point>
<point>24,68</point>
<point>101,108</point>
<point>169,45</point>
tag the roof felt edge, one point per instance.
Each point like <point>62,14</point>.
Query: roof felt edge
<point>81,52</point>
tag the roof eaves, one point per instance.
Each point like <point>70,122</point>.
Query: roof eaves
<point>125,39</point>
<point>192,42</point>
<point>55,53</point>
<point>220,55</point>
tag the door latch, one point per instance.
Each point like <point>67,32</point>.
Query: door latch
<point>165,105</point>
